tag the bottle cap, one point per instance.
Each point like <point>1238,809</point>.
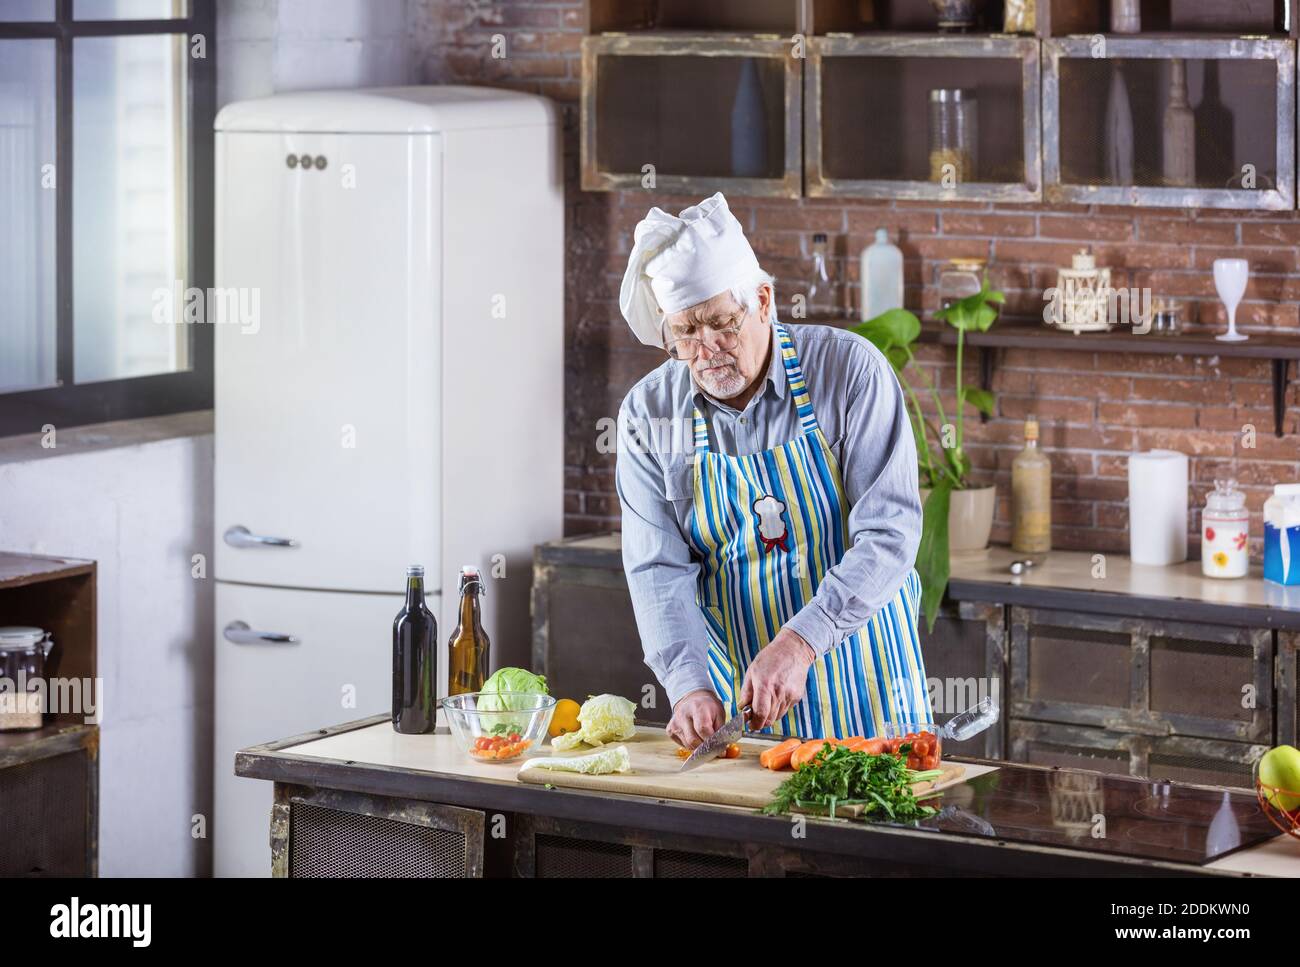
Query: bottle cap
<point>882,236</point>
<point>1031,428</point>
<point>415,571</point>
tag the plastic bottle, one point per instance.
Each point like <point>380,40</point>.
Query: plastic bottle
<point>882,276</point>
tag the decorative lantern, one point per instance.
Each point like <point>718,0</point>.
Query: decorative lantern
<point>1082,302</point>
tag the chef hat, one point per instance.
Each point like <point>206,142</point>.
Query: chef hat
<point>681,261</point>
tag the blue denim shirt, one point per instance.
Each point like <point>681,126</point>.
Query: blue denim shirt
<point>861,410</point>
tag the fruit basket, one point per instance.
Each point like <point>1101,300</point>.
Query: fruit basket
<point>1274,802</point>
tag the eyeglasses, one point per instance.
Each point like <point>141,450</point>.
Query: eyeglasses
<point>688,347</point>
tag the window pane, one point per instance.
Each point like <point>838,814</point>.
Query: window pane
<point>27,213</point>
<point>128,9</point>
<point>129,202</point>
<point>11,10</point>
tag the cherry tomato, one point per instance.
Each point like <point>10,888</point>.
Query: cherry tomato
<point>732,751</point>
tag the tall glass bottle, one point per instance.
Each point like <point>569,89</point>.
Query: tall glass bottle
<point>415,660</point>
<point>1031,496</point>
<point>467,651</point>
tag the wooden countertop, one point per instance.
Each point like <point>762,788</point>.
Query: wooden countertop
<point>1112,584</point>
<point>369,756</point>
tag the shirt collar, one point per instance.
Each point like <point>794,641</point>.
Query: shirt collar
<point>777,382</point>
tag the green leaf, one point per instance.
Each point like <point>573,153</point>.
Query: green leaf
<point>981,399</point>
<point>932,555</point>
<point>894,328</point>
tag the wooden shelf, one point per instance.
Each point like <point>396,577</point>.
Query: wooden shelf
<point>1281,350</point>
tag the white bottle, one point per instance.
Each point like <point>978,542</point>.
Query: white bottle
<point>882,277</point>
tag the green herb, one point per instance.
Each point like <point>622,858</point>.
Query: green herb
<point>836,776</point>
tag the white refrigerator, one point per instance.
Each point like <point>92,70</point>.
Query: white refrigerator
<point>389,376</point>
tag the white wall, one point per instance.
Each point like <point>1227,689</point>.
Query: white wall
<point>268,46</point>
<point>140,511</point>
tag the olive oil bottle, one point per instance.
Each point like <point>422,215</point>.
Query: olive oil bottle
<point>1031,496</point>
<point>467,651</point>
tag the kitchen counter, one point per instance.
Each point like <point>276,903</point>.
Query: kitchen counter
<point>1010,819</point>
<point>1112,584</point>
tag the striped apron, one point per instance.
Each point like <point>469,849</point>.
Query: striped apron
<point>767,528</point>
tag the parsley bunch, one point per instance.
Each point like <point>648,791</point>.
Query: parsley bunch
<point>836,776</point>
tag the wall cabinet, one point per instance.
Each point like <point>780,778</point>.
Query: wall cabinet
<point>830,98</point>
<point>1110,137</point>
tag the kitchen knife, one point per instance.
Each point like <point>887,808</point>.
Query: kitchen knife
<point>717,743</point>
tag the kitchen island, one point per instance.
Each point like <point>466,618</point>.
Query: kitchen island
<point>358,799</point>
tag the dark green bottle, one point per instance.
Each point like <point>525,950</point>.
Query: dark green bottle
<point>415,663</point>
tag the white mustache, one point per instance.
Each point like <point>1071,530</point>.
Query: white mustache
<point>717,364</point>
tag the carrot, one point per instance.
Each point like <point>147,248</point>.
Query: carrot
<point>874,746</point>
<point>804,754</point>
<point>856,744</point>
<point>778,756</point>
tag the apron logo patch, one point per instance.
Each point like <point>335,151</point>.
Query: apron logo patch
<point>771,523</point>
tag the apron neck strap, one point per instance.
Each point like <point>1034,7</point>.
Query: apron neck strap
<point>798,390</point>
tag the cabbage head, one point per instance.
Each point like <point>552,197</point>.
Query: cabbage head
<point>602,718</point>
<point>509,680</point>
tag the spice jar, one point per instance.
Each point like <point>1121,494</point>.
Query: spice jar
<point>22,668</point>
<point>1225,532</point>
<point>959,279</point>
<point>954,136</point>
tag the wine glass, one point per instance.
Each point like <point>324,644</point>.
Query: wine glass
<point>1230,276</point>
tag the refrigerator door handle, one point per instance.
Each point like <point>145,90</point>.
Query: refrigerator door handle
<point>241,536</point>
<point>241,634</point>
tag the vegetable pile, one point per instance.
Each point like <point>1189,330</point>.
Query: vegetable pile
<point>838,775</point>
<point>602,718</point>
<point>510,745</point>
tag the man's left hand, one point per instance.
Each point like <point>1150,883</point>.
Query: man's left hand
<point>775,680</point>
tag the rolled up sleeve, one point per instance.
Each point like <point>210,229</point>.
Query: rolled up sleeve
<point>661,575</point>
<point>880,481</point>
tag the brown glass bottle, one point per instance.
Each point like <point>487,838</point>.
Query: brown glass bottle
<point>467,651</point>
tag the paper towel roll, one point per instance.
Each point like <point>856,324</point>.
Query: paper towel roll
<point>1157,507</point>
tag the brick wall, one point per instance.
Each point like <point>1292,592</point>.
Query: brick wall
<point>1094,407</point>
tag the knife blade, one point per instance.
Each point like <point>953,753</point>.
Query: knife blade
<point>717,743</point>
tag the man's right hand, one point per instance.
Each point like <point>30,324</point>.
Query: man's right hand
<point>696,716</point>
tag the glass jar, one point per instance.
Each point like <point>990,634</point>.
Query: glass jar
<point>954,136</point>
<point>22,665</point>
<point>959,279</point>
<point>1225,532</point>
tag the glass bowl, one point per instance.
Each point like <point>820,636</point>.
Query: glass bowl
<point>927,743</point>
<point>499,726</point>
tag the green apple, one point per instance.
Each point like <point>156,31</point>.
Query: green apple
<point>1280,768</point>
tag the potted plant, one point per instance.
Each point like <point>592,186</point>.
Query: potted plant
<point>956,515</point>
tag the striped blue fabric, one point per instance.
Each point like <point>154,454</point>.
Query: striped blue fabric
<point>768,527</point>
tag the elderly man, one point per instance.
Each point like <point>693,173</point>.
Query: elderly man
<point>770,563</point>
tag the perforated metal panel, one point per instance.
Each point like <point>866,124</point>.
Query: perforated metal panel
<point>562,856</point>
<point>676,864</point>
<point>43,817</point>
<point>330,843</point>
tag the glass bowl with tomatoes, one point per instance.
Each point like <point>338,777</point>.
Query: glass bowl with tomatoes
<point>499,726</point>
<point>921,744</point>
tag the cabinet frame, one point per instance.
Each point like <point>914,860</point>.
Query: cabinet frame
<point>789,185</point>
<point>1138,718</point>
<point>924,46</point>
<point>1281,51</point>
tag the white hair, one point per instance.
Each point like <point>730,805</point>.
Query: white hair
<point>746,292</point>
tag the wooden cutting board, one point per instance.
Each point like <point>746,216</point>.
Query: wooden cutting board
<point>656,773</point>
